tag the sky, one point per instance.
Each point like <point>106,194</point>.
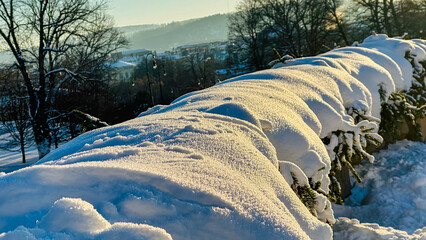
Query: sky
<point>135,12</point>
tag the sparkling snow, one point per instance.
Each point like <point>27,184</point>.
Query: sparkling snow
<point>392,195</point>
<point>217,163</point>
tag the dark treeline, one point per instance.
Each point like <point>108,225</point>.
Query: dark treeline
<point>168,79</point>
<point>308,27</point>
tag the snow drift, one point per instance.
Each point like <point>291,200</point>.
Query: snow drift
<point>215,164</point>
<point>391,201</point>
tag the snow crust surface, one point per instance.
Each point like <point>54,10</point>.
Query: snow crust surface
<point>217,163</point>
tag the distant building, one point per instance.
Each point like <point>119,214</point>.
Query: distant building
<point>130,53</point>
<point>125,63</point>
<point>218,49</point>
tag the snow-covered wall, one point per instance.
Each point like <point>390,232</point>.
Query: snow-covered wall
<point>217,163</point>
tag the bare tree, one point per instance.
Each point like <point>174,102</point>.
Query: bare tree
<point>393,17</point>
<point>295,27</point>
<point>248,30</point>
<point>337,16</point>
<point>16,124</point>
<point>55,41</point>
<point>304,27</point>
<point>198,63</point>
<point>372,13</point>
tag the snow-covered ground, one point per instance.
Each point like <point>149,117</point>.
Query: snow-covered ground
<point>391,201</point>
<point>12,160</point>
<point>389,204</point>
<point>217,163</point>
<point>194,177</point>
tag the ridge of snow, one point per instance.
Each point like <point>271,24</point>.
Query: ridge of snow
<point>215,163</point>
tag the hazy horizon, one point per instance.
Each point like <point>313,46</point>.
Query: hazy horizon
<point>139,12</point>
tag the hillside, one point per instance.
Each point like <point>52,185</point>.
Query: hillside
<point>165,37</point>
<point>130,30</point>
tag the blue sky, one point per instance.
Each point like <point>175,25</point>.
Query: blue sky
<point>134,12</point>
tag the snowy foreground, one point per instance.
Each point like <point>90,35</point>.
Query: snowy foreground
<point>218,163</point>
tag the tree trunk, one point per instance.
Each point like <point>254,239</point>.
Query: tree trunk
<point>43,148</point>
<point>23,150</point>
<point>388,26</point>
<point>56,142</point>
<point>376,18</point>
<point>396,18</point>
<point>342,32</point>
<point>41,134</point>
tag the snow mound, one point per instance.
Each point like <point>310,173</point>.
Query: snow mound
<point>73,215</point>
<point>352,229</point>
<point>393,191</point>
<point>71,218</point>
<point>218,163</point>
<point>234,191</point>
<point>119,231</point>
